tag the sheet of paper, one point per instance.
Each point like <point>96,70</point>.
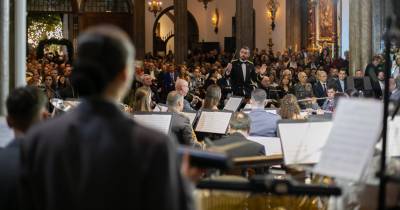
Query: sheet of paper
<point>272,144</point>
<point>355,131</point>
<point>213,122</point>
<point>160,108</point>
<point>233,104</point>
<point>302,142</point>
<point>160,122</point>
<point>6,134</point>
<point>393,145</point>
<point>191,116</point>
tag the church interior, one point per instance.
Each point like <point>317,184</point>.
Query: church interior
<point>200,104</point>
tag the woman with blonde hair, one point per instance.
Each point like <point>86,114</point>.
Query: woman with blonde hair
<point>142,100</point>
<point>212,98</point>
<point>290,108</point>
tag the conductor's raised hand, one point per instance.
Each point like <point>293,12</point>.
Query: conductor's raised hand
<point>228,69</point>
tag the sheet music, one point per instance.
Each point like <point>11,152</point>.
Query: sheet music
<point>160,122</point>
<point>233,104</point>
<point>393,145</point>
<point>6,134</point>
<point>302,142</point>
<point>355,131</point>
<point>191,116</point>
<point>272,144</point>
<point>213,122</point>
<point>160,108</point>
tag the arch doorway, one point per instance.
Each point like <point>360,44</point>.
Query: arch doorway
<point>163,40</point>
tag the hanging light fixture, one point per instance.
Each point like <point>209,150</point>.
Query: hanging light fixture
<point>272,8</point>
<point>205,2</point>
<point>155,6</point>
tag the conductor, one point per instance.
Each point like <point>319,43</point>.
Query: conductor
<point>243,75</point>
<point>96,157</point>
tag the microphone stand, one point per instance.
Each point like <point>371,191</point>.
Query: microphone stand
<point>383,179</point>
<point>268,184</point>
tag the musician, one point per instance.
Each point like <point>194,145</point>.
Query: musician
<point>180,124</point>
<point>26,106</point>
<point>329,104</point>
<point>182,87</point>
<point>290,109</point>
<point>243,75</point>
<point>237,144</point>
<point>212,98</point>
<point>96,157</point>
<point>320,87</point>
<point>142,102</point>
<point>262,123</point>
<point>303,90</point>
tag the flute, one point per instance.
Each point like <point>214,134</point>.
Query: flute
<point>310,99</point>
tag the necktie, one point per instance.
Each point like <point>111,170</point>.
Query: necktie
<point>324,87</point>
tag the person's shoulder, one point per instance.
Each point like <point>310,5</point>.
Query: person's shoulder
<point>147,135</point>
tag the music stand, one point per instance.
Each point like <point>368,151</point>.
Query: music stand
<point>160,121</point>
<point>207,123</point>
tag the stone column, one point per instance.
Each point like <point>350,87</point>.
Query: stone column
<point>4,53</point>
<point>354,37</point>
<point>139,35</point>
<point>360,34</point>
<point>365,32</point>
<point>181,31</point>
<point>294,23</point>
<point>20,42</point>
<point>244,24</point>
<point>377,24</point>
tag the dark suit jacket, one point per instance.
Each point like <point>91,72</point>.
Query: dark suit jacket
<point>319,92</point>
<point>249,148</point>
<point>95,157</point>
<point>339,87</point>
<point>9,158</point>
<point>182,129</point>
<point>242,86</point>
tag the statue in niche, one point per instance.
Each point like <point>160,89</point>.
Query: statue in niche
<point>325,18</point>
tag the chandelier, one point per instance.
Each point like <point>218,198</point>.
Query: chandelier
<point>155,6</point>
<point>205,2</point>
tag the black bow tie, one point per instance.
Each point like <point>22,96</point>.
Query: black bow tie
<point>242,62</point>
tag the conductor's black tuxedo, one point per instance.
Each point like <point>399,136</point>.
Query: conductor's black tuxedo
<point>95,157</point>
<point>243,86</point>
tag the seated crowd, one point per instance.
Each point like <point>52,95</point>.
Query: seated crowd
<point>289,82</point>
